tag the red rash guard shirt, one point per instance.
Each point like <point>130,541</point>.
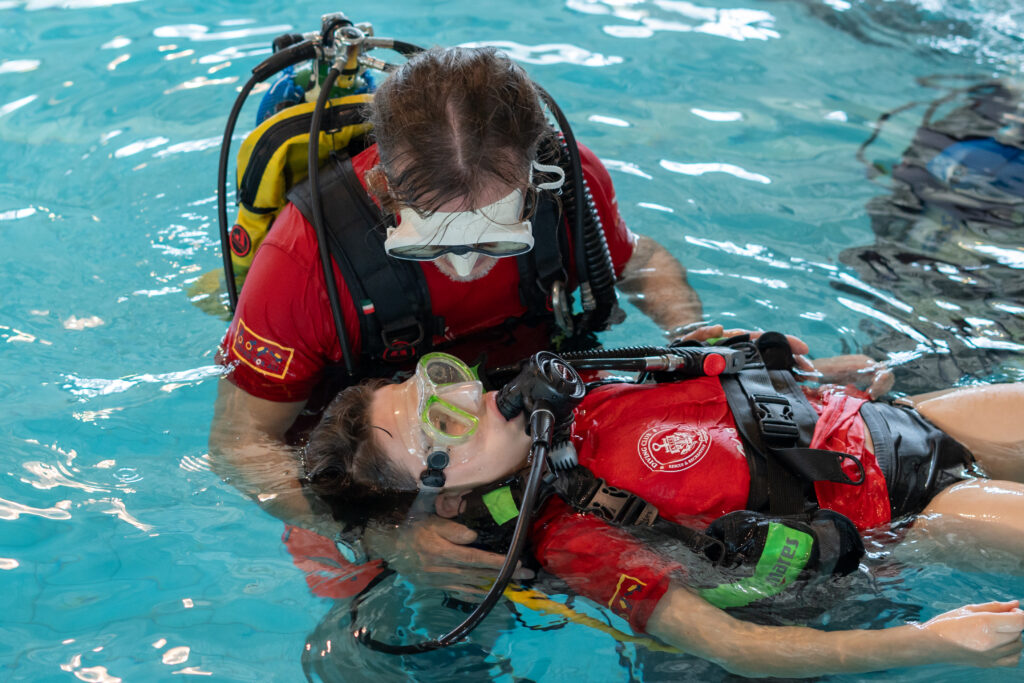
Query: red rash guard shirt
<point>676,445</point>
<point>282,336</point>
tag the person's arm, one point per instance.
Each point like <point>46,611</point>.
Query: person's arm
<point>247,450</point>
<point>651,278</point>
<point>655,282</point>
<point>975,635</point>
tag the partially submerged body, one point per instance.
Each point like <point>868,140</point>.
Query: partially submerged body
<point>610,566</point>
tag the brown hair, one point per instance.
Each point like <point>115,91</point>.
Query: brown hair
<point>452,121</point>
<point>347,468</point>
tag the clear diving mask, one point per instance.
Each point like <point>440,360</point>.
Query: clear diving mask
<point>449,401</point>
<point>496,230</point>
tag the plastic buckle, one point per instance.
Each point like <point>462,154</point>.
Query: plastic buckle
<point>775,419</point>
<point>400,350</point>
<point>620,507</point>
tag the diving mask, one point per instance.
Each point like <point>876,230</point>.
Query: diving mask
<point>496,230</point>
<point>450,398</point>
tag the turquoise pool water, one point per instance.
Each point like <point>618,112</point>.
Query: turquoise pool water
<point>731,131</point>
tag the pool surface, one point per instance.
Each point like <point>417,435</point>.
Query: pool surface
<point>731,130</point>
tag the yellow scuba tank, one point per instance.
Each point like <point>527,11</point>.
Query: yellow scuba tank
<point>275,156</point>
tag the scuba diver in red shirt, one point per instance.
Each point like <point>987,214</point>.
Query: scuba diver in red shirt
<point>445,233</point>
<point>737,462</point>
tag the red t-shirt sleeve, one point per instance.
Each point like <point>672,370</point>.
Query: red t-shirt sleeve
<point>282,335</point>
<point>602,562</point>
<point>620,240</point>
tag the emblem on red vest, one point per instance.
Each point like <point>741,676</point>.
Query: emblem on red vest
<point>240,241</point>
<point>674,448</point>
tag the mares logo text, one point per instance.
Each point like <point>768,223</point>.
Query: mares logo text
<point>673,449</point>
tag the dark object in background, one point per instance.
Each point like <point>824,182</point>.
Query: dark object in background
<point>948,242</point>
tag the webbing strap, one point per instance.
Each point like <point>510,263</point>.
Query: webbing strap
<point>541,267</point>
<point>587,493</point>
<point>390,295</point>
<point>777,423</point>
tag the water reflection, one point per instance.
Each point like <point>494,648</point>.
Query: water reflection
<point>946,270</point>
<point>648,18</point>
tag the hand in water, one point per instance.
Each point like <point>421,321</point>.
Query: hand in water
<point>979,635</point>
<point>706,332</point>
<point>863,372</point>
<point>433,552</point>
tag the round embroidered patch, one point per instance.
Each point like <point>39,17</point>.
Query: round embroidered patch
<point>240,242</point>
<point>674,448</point>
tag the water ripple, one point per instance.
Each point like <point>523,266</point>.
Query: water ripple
<point>550,53</point>
<point>714,167</point>
<point>87,387</point>
<point>737,24</point>
<point>11,510</point>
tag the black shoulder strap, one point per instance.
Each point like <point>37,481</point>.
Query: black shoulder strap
<point>540,267</point>
<point>390,295</point>
<point>777,424</point>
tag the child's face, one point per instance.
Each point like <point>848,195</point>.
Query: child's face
<point>497,448</point>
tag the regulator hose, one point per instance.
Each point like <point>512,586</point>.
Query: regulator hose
<point>593,260</point>
<point>277,62</point>
<point>318,215</point>
<point>599,298</point>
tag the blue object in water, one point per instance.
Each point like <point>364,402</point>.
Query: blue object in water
<point>983,168</point>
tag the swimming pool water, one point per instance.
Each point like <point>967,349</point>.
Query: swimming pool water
<point>731,131</point>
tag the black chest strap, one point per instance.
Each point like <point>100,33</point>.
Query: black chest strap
<point>777,423</point>
<point>545,264</point>
<point>390,295</point>
<point>583,491</point>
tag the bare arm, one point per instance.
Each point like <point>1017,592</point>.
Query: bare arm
<point>655,282</point>
<point>976,635</point>
<point>248,451</point>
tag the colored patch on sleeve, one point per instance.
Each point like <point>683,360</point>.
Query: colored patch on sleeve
<point>262,355</point>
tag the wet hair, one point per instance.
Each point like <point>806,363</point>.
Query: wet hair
<point>348,470</point>
<point>450,123</point>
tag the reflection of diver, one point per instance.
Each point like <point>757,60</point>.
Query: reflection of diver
<point>948,240</point>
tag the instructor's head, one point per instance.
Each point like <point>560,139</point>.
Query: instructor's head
<point>457,130</point>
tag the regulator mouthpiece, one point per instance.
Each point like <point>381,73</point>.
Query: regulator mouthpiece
<point>547,381</point>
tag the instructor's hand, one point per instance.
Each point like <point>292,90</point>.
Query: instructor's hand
<point>706,332</point>
<point>863,372</point>
<point>433,553</point>
<point>979,635</point>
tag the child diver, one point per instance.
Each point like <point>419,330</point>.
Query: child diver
<point>683,447</point>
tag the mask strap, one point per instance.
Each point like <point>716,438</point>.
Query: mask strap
<point>545,168</point>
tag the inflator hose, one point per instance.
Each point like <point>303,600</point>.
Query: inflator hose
<point>277,62</point>
<point>318,215</point>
